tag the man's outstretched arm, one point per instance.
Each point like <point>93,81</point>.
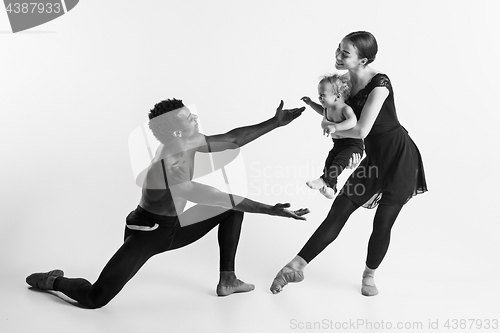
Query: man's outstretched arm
<point>211,196</point>
<point>239,137</point>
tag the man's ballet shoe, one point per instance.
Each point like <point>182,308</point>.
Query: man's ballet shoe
<point>285,276</point>
<point>44,281</point>
<point>239,287</point>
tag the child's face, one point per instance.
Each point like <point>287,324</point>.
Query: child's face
<point>327,95</point>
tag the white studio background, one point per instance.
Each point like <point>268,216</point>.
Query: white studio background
<point>73,89</point>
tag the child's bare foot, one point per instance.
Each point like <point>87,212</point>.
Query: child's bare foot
<point>229,284</point>
<point>328,192</point>
<point>316,184</point>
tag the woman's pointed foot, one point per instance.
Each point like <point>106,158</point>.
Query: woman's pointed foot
<point>286,275</point>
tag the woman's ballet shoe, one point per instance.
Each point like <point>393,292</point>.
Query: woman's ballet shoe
<point>285,276</point>
<point>368,289</point>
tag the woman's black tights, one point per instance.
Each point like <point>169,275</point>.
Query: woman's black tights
<point>342,208</point>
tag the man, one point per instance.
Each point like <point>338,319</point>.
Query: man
<point>155,225</point>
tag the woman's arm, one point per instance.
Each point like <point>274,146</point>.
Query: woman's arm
<point>369,113</point>
<point>349,122</point>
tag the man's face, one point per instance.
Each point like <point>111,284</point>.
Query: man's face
<point>188,122</point>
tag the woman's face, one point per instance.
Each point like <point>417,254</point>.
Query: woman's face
<point>346,56</point>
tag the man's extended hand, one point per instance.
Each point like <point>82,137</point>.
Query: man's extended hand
<point>284,117</point>
<point>282,210</point>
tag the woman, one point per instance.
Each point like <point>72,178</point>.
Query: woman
<point>387,178</point>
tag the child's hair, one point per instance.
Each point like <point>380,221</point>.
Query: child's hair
<point>339,83</point>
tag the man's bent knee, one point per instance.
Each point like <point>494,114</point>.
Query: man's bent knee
<point>97,298</point>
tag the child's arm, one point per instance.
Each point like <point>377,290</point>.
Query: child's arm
<point>315,106</point>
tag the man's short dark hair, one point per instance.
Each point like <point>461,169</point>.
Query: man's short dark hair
<point>161,123</point>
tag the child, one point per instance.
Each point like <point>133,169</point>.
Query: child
<point>333,90</point>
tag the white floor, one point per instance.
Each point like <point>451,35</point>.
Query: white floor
<point>420,282</point>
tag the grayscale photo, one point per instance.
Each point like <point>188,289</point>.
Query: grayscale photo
<point>249,166</point>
